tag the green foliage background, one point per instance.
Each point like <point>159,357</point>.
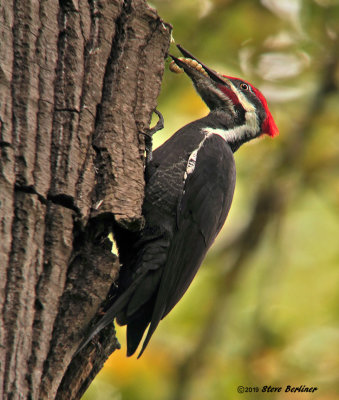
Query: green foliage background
<point>263,309</point>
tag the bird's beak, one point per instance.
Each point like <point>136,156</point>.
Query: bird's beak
<point>206,81</point>
<point>191,68</point>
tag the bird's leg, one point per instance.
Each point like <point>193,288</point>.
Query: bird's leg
<point>149,135</point>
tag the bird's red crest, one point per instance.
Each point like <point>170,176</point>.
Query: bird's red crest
<point>269,126</point>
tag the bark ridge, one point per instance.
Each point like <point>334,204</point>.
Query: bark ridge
<point>78,83</point>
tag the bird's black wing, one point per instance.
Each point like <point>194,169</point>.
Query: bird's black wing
<point>202,210</point>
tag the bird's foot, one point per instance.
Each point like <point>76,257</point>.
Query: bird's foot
<point>149,135</point>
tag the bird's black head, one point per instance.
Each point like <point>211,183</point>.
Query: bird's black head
<point>230,98</point>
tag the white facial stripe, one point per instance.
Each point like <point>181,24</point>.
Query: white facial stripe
<point>248,106</point>
<point>252,122</point>
<point>251,126</point>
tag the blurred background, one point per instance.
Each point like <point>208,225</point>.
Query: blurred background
<point>264,307</point>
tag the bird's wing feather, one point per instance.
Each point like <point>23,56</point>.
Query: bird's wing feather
<point>202,210</point>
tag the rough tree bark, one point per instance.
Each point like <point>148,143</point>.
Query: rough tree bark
<point>78,83</point>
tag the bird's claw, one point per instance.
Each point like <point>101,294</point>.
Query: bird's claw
<point>149,135</point>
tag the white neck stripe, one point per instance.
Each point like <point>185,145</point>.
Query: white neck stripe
<point>249,129</point>
<point>230,136</point>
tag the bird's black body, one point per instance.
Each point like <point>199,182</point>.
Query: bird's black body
<point>183,217</point>
<point>189,189</point>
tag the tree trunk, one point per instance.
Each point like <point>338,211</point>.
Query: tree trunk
<point>78,83</point>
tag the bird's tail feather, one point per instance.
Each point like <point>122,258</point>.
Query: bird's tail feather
<point>135,331</point>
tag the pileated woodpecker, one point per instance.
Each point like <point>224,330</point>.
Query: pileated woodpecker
<point>189,189</point>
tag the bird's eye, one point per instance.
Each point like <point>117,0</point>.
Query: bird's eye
<point>244,86</point>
